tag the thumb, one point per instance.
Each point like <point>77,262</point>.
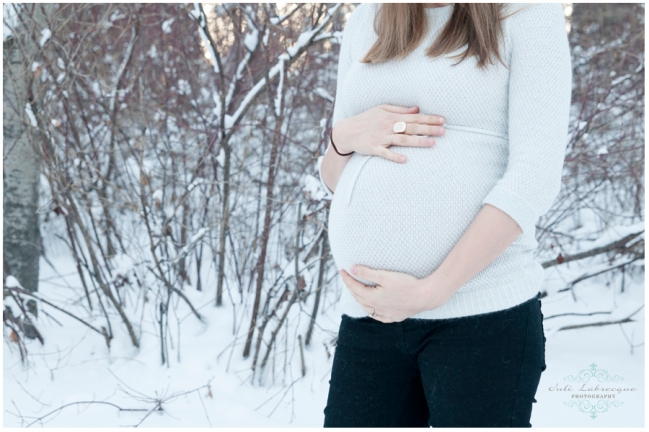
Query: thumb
<point>399,109</point>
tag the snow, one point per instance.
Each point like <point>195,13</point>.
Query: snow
<point>45,36</point>
<point>301,41</point>
<point>231,119</point>
<point>30,114</point>
<point>323,93</point>
<point>116,15</point>
<point>197,182</point>
<point>196,15</point>
<point>611,234</point>
<point>220,158</point>
<point>640,66</point>
<point>313,187</point>
<point>280,88</point>
<point>166,25</point>
<point>183,87</point>
<point>217,105</point>
<point>265,38</point>
<point>157,195</point>
<point>12,282</point>
<point>332,10</point>
<point>277,19</point>
<point>9,19</point>
<point>152,52</point>
<point>251,39</point>
<point>44,75</point>
<point>76,366</point>
<point>620,79</point>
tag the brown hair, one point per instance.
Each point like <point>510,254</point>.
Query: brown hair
<point>402,26</point>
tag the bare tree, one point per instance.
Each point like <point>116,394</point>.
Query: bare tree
<point>604,169</point>
<point>170,135</point>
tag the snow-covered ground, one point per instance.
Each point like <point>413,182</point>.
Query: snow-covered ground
<point>75,366</point>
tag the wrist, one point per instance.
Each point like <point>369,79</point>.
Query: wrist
<point>436,291</point>
<point>337,142</point>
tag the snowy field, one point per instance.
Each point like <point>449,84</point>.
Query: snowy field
<point>75,367</point>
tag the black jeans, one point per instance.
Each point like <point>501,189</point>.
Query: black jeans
<point>474,371</point>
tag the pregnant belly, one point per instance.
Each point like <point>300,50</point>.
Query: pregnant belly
<point>407,217</point>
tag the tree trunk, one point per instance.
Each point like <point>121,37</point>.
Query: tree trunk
<point>320,287</point>
<point>224,222</point>
<point>22,240</point>
<point>272,171</point>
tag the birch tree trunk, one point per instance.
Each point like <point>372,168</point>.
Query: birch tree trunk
<point>22,240</point>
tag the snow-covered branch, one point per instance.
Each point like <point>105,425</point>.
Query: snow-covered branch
<point>304,40</point>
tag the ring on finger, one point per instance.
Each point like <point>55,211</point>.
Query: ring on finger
<point>399,127</point>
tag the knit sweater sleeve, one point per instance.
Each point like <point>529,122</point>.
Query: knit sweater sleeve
<point>344,62</point>
<point>540,84</point>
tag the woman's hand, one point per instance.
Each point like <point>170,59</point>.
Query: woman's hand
<point>371,132</point>
<point>397,296</point>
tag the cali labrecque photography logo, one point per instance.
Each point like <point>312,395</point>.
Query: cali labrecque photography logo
<point>590,392</point>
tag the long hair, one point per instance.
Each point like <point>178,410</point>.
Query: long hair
<point>401,27</point>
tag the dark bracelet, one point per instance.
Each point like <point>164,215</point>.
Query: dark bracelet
<point>331,135</point>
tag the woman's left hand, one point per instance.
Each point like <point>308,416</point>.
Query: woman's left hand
<point>397,296</point>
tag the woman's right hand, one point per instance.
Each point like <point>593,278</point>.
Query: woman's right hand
<point>370,132</point>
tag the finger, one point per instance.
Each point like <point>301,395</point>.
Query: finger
<point>398,108</point>
<point>360,301</point>
<point>404,140</point>
<point>355,287</point>
<point>363,304</point>
<point>430,119</point>
<point>378,276</point>
<point>385,153</point>
<point>424,129</point>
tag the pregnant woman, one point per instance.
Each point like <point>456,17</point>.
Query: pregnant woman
<point>449,131</point>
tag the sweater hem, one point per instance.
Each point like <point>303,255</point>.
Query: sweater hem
<point>464,303</point>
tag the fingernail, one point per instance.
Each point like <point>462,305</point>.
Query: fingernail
<point>430,141</point>
<point>441,119</point>
<point>402,159</point>
<point>353,269</point>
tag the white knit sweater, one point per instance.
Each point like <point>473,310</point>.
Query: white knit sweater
<point>507,132</point>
